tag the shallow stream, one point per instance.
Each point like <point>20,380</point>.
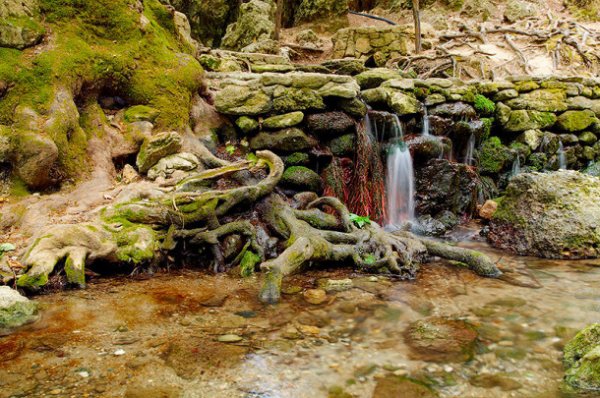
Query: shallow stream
<point>191,334</point>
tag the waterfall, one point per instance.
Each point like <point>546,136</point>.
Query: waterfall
<point>470,150</point>
<point>562,159</point>
<point>400,181</point>
<point>516,167</point>
<point>425,130</point>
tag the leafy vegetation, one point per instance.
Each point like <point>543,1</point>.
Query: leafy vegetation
<point>360,221</point>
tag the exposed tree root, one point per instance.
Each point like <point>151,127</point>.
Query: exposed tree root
<point>317,230</point>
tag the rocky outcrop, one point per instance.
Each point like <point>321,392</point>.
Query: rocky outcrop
<point>19,27</point>
<point>552,215</point>
<point>380,43</point>
<point>255,23</point>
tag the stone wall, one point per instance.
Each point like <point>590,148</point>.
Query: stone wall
<point>382,44</point>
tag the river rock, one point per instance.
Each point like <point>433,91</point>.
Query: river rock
<point>552,215</point>
<point>15,310</point>
<point>315,296</point>
<point>582,359</point>
<point>440,339</point>
<point>392,386</point>
<point>157,147</point>
<point>283,121</point>
<point>488,209</point>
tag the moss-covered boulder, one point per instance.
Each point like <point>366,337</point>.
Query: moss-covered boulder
<point>372,78</point>
<point>19,24</point>
<point>552,215</point>
<point>156,148</point>
<point>523,120</point>
<point>247,124</point>
<point>297,99</point>
<point>493,156</point>
<point>403,104</point>
<point>342,145</point>
<point>282,121</point>
<point>582,359</point>
<point>15,310</point>
<point>302,179</point>
<point>574,121</point>
<point>170,164</point>
<point>288,140</point>
<point>36,157</point>
<point>255,23</point>
<point>242,101</point>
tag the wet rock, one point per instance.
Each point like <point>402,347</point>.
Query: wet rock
<point>392,386</point>
<point>335,285</point>
<point>453,110</point>
<point>552,215</point>
<point>502,381</point>
<point>531,138</point>
<point>283,121</point>
<point>247,124</point>
<point>343,145</point>
<point>136,390</point>
<point>429,226</point>
<point>230,338</point>
<point>441,339</point>
<point>582,359</point>
<point>288,140</point>
<point>493,156</point>
<point>15,310</point>
<point>170,164</point>
<point>157,147</point>
<point>488,209</point>
<point>330,123</point>
<point>425,148</point>
<point>315,296</point>
<point>523,120</point>
<point>302,179</point>
<point>442,185</point>
<point>403,104</point>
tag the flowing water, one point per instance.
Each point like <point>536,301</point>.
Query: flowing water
<point>425,128</point>
<point>562,158</point>
<point>400,180</point>
<point>516,167</point>
<point>470,151</point>
<point>159,336</point>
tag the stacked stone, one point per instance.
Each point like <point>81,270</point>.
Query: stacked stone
<point>307,118</point>
<point>380,43</point>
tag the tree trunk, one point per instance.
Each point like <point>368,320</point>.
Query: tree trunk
<point>417,18</point>
<point>278,18</point>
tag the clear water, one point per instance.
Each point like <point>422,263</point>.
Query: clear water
<point>400,180</point>
<point>562,158</point>
<point>425,127</point>
<point>166,328</point>
<point>469,158</point>
<point>516,167</point>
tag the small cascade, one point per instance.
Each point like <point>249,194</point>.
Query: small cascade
<point>516,167</point>
<point>562,158</point>
<point>425,130</point>
<point>470,151</point>
<point>400,181</point>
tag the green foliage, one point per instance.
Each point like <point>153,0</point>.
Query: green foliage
<point>369,259</point>
<point>248,263</point>
<point>484,106</point>
<point>493,156</point>
<point>360,221</point>
<point>230,149</point>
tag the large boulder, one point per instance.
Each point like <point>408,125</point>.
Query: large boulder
<point>582,359</point>
<point>552,215</point>
<point>15,310</point>
<point>523,120</point>
<point>255,23</point>
<point>443,185</point>
<point>545,100</point>
<point>302,179</point>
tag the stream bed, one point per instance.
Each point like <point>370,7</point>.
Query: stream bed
<point>188,333</point>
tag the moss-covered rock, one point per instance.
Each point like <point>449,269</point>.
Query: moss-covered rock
<point>15,310</point>
<point>310,10</point>
<point>330,123</point>
<point>170,164</point>
<point>574,121</point>
<point>582,359</point>
<point>298,99</point>
<point>372,78</point>
<point>493,156</point>
<point>544,100</point>
<point>403,104</point>
<point>552,215</point>
<point>297,159</point>
<point>208,18</point>
<point>283,121</point>
<point>523,120</point>
<point>587,138</point>
<point>255,23</point>
<point>302,179</point>
<point>156,148</point>
<point>288,140</point>
<point>342,145</point>
<point>242,100</point>
<point>517,10</point>
<point>401,386</point>
<point>140,113</point>
<point>247,124</point>
<point>531,138</point>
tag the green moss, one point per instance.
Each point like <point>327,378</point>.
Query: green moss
<point>32,282</point>
<point>484,106</point>
<point>248,263</point>
<point>297,159</point>
<point>18,189</point>
<point>141,113</point>
<point>493,156</point>
<point>75,274</point>
<point>488,122</point>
